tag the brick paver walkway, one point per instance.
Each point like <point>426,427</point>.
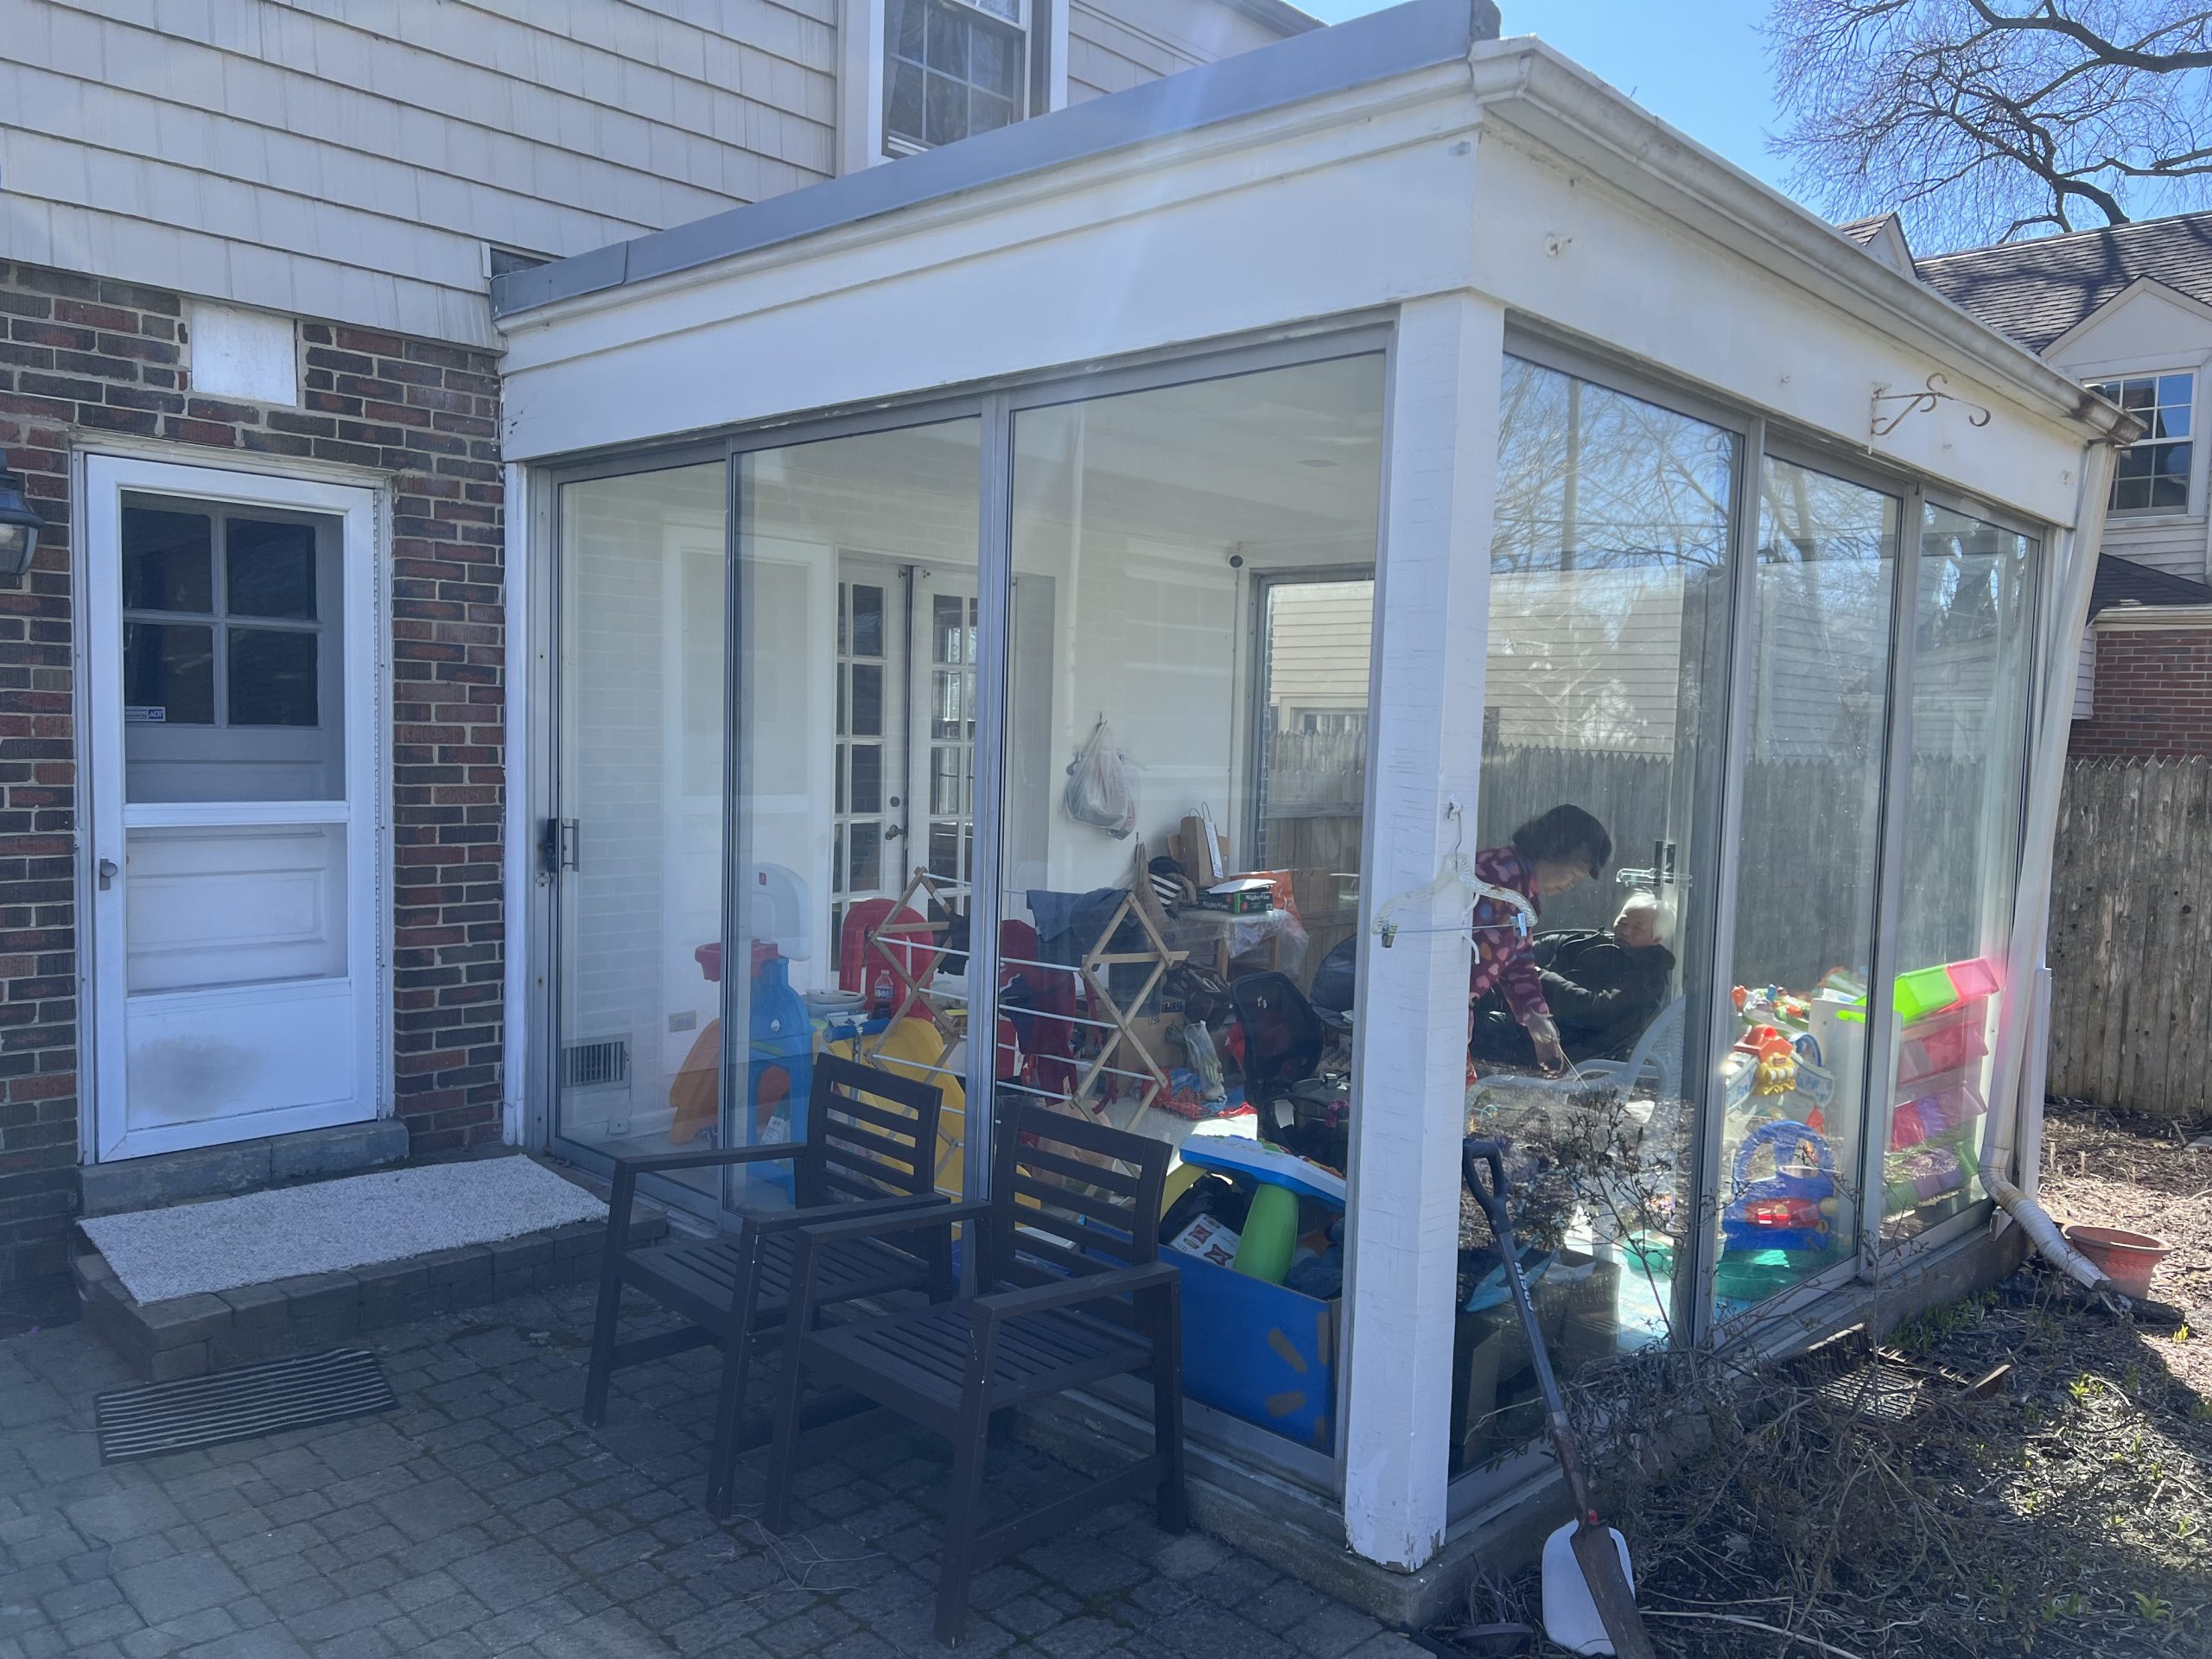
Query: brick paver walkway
<point>481,1518</point>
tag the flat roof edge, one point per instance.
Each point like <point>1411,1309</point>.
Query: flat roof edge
<point>1526,72</point>
<point>1382,44</point>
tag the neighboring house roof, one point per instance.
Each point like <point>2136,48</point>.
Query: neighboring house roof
<point>1883,236</point>
<point>2122,582</point>
<point>2041,290</point>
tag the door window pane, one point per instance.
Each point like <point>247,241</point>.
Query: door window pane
<point>272,677</point>
<point>1601,755</point>
<point>1973,620</point>
<point>230,709</point>
<point>1793,1090</point>
<point>270,569</point>
<point>167,561</point>
<point>875,518</point>
<point>643,963</point>
<point>169,673</point>
<point>1125,607</point>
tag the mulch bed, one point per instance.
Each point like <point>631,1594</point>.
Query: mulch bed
<point>1875,1507</point>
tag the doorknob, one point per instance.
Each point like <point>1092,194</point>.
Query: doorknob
<point>107,873</point>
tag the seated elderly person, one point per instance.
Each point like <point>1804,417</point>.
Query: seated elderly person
<point>1603,986</point>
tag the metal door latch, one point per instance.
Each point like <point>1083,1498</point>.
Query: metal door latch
<point>559,845</point>
<point>107,873</point>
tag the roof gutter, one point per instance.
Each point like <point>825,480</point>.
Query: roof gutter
<point>1526,85</point>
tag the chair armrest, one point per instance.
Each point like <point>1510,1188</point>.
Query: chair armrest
<point>818,1233</point>
<point>653,1163</point>
<point>816,1236</point>
<point>1003,1305</point>
<point>784,1221</point>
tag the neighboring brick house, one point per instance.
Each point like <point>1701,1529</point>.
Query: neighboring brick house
<point>2145,689</point>
<point>252,691</point>
<point>2126,309</point>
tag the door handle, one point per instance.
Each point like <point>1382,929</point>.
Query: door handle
<point>560,845</point>
<point>107,873</point>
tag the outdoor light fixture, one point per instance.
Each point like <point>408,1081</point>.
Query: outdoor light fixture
<point>19,525</point>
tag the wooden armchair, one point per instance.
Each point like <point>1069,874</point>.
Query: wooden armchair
<point>870,1137</point>
<point>1070,1291</point>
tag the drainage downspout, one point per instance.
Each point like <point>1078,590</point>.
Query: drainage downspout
<point>2032,901</point>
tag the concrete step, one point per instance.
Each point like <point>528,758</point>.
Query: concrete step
<point>187,1336</point>
<point>242,1167</point>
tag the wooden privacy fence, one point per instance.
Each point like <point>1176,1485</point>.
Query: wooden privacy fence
<point>2131,930</point>
<point>2130,948</point>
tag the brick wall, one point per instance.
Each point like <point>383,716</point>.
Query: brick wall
<point>2153,694</point>
<point>82,359</point>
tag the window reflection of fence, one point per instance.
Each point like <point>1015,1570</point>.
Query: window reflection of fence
<point>2129,946</point>
<point>1802,911</point>
<point>1315,794</point>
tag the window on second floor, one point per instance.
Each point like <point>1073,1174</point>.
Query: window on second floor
<point>2153,471</point>
<point>953,68</point>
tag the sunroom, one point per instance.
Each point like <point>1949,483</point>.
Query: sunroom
<point>1107,583</point>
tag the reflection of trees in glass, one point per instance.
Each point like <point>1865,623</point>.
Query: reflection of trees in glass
<point>1611,514</point>
<point>1827,555</point>
<point>1589,479</point>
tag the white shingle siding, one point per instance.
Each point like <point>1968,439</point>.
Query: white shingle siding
<point>346,158</point>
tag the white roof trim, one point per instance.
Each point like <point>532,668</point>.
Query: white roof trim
<point>2146,618</point>
<point>1530,86</point>
<point>2140,287</point>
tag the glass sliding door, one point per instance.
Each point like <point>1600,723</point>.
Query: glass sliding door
<point>1601,757</point>
<point>1973,665</point>
<point>636,842</point>
<point>856,584</point>
<point>1793,1090</point>
<point>1166,966</point>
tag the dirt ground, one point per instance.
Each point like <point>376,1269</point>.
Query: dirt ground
<point>1875,1507</point>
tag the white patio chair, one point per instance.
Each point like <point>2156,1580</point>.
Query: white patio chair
<point>1657,1052</point>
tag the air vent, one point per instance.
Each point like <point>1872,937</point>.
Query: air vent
<point>584,1065</point>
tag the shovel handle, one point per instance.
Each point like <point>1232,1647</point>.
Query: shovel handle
<point>1476,1153</point>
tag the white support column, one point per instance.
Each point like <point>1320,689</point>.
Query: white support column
<point>1433,607</point>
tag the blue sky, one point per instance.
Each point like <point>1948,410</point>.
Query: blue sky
<point>1701,66</point>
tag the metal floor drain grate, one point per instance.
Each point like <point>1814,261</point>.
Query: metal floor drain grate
<point>241,1404</point>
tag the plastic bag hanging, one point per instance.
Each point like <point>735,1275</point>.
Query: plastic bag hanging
<point>1102,786</point>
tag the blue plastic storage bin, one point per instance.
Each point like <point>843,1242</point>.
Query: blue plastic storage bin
<point>1259,1351</point>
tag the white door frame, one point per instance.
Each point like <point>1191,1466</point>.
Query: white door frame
<point>105,478</point>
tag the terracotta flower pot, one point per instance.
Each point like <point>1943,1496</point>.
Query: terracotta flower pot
<point>2125,1258</point>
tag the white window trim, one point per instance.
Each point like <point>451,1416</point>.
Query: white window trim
<point>860,78</point>
<point>2194,368</point>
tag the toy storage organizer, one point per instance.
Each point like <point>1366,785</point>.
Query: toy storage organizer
<point>1937,1106</point>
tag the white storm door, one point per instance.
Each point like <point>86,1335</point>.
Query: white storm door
<point>232,702</point>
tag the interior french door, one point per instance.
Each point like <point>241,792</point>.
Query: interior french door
<point>904,764</point>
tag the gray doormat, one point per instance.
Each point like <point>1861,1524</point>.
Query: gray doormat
<point>241,1404</point>
<point>333,1225</point>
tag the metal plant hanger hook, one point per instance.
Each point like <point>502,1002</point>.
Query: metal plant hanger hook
<point>1930,396</point>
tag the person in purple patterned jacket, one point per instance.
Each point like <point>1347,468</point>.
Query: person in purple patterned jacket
<point>1549,855</point>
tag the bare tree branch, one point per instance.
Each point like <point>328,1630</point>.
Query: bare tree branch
<point>1995,118</point>
<point>2048,17</point>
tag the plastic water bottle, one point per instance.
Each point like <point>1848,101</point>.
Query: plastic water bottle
<point>1570,1616</point>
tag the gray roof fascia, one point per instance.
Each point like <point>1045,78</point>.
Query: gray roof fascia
<point>1418,36</point>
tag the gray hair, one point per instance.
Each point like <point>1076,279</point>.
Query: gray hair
<point>1662,915</point>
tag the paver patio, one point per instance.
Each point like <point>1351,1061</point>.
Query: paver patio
<point>481,1518</point>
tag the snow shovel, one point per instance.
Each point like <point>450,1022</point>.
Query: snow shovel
<point>1597,1550</point>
